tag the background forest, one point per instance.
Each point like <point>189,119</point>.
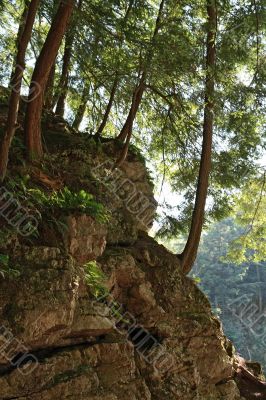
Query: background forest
<point>235,288</point>
<point>185,83</point>
<point>239,299</point>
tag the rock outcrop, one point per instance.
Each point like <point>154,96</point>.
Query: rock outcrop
<point>152,337</point>
<point>78,350</point>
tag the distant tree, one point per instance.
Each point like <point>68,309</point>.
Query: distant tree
<point>249,213</point>
<point>236,291</point>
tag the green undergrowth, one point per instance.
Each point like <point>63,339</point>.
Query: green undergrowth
<point>6,269</point>
<point>95,280</point>
<point>63,200</point>
<point>137,152</point>
<point>69,201</point>
<point>48,207</point>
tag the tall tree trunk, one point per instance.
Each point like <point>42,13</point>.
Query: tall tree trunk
<point>191,248</point>
<point>126,132</point>
<point>81,109</point>
<point>64,79</point>
<point>40,76</point>
<point>135,103</point>
<point>49,90</point>
<point>127,129</point>
<point>108,108</point>
<point>21,28</point>
<point>115,84</point>
<point>48,102</point>
<point>63,83</point>
<point>24,35</point>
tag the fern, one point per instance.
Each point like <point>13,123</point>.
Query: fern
<point>95,279</point>
<point>70,201</point>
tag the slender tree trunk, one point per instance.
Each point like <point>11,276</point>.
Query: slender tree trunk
<point>48,103</point>
<point>40,76</point>
<point>126,132</point>
<point>24,36</point>
<point>64,79</point>
<point>191,248</point>
<point>81,109</point>
<point>63,83</point>
<point>115,84</point>
<point>21,29</point>
<point>49,90</point>
<point>108,108</point>
<point>135,103</point>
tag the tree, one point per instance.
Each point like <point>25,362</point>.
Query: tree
<point>48,97</point>
<point>249,212</point>
<point>236,291</point>
<point>40,76</point>
<point>63,83</point>
<point>48,102</point>
<point>23,39</point>
<point>142,65</point>
<point>64,78</point>
<point>81,108</point>
<point>126,132</point>
<point>189,253</point>
<point>108,107</point>
<point>117,73</point>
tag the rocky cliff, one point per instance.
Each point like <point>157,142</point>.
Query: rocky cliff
<point>128,325</point>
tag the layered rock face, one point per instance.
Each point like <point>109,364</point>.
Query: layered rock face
<point>78,352</point>
<point>153,337</point>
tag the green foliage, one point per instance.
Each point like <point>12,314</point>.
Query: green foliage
<point>4,259</point>
<point>113,40</point>
<point>6,271</point>
<point>250,214</point>
<point>19,186</point>
<point>196,279</point>
<point>135,150</point>
<point>225,280</point>
<point>95,279</point>
<point>69,201</point>
<point>225,283</point>
<point>40,201</point>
